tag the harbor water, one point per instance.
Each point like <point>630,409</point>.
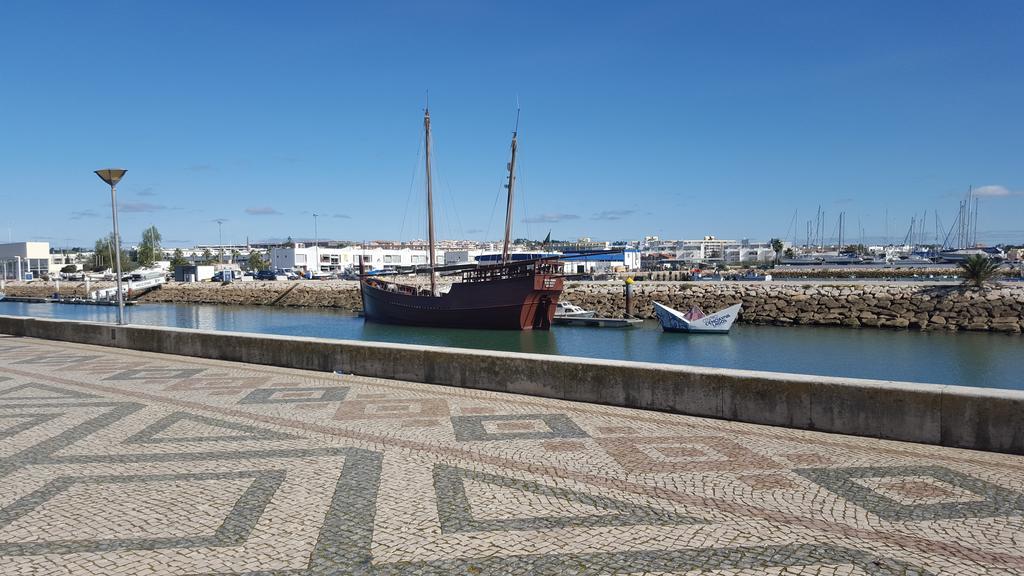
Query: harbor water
<point>966,359</point>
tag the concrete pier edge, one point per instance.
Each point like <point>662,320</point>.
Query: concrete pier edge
<point>956,416</point>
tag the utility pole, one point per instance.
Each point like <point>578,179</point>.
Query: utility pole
<point>220,238</point>
<point>316,241</point>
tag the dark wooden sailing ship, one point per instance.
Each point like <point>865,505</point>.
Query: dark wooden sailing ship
<point>519,295</point>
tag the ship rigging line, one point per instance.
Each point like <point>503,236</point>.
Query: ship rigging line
<point>446,200</point>
<point>494,207</point>
<point>522,193</point>
<point>412,183</point>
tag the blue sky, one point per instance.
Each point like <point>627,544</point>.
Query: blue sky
<point>672,118</point>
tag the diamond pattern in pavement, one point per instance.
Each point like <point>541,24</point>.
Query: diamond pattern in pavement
<point>123,462</point>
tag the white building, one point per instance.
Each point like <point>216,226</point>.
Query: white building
<point>19,259</point>
<point>713,250</point>
<point>624,261</point>
<point>304,258</point>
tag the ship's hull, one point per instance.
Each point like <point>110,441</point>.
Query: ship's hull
<point>521,303</point>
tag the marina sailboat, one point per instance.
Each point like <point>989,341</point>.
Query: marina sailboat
<point>519,295</point>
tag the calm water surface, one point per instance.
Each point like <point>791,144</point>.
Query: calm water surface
<point>967,359</point>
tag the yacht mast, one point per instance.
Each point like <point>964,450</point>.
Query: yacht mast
<point>511,186</point>
<point>430,202</point>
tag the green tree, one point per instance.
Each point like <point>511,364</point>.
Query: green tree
<point>209,257</point>
<point>235,255</point>
<point>789,253</point>
<point>100,258</point>
<point>777,247</point>
<point>178,259</point>
<point>257,262</point>
<point>978,269</point>
<point>69,269</point>
<point>103,256</point>
<point>149,250</point>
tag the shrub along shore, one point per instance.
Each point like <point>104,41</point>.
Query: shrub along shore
<point>881,305</point>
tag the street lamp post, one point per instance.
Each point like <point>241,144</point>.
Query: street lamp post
<point>220,238</point>
<point>316,240</point>
<point>112,176</point>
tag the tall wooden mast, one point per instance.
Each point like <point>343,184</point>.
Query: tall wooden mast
<point>511,193</point>
<point>430,202</point>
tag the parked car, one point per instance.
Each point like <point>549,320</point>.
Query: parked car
<point>226,276</point>
<point>266,275</point>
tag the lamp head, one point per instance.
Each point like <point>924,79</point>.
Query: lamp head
<point>111,175</point>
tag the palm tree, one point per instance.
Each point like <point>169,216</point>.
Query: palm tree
<point>776,245</point>
<point>978,269</point>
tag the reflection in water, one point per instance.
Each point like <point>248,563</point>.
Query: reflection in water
<point>538,342</point>
<point>969,359</point>
<point>684,347</point>
<point>972,361</point>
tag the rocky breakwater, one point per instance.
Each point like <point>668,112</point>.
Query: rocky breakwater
<point>44,289</point>
<point>315,294</point>
<point>899,306</point>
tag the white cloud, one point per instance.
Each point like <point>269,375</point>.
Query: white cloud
<point>994,191</point>
<point>550,218</point>
<point>140,207</point>
<point>613,214</point>
<point>262,211</point>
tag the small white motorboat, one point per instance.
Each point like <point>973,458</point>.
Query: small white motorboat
<point>567,310</point>
<point>695,320</point>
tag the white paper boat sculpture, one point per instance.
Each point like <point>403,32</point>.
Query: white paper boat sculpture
<point>695,320</point>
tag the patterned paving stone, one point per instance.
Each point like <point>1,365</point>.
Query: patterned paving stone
<point>515,427</point>
<point>293,395</point>
<point>198,428</point>
<point>124,463</point>
<point>682,454</point>
<point>11,424</point>
<point>946,489</point>
<point>36,391</point>
<point>392,409</point>
<point>457,515</point>
<point>55,359</point>
<point>149,374</point>
<point>67,528</point>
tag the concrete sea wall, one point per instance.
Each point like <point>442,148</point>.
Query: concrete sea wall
<point>976,418</point>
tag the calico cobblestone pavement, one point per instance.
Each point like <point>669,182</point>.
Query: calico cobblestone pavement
<point>121,462</point>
